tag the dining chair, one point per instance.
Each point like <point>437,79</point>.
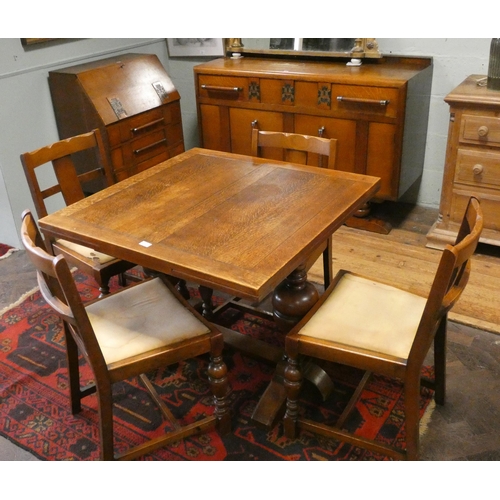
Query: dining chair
<point>126,334</point>
<point>66,181</point>
<point>305,150</point>
<point>378,328</point>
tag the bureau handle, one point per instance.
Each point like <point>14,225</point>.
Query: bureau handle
<point>150,146</point>
<point>147,125</point>
<point>482,131</point>
<point>216,88</point>
<point>477,169</point>
<point>381,102</point>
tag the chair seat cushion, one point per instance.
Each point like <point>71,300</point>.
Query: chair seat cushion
<point>141,318</point>
<point>86,252</point>
<point>368,315</point>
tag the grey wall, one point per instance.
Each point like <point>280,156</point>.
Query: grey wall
<point>27,118</point>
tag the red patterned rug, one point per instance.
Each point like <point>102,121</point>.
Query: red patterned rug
<point>35,413</point>
<point>6,250</point>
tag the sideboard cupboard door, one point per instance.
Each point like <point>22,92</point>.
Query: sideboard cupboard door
<point>243,120</point>
<point>345,131</point>
<point>378,112</point>
<point>214,120</point>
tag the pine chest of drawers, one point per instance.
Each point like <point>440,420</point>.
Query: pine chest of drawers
<point>472,166</point>
<point>133,102</point>
<point>377,112</point>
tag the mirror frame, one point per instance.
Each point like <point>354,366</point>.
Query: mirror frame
<point>363,48</point>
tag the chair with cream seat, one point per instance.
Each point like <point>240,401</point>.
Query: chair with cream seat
<point>305,150</point>
<point>379,328</point>
<point>125,334</point>
<point>71,184</point>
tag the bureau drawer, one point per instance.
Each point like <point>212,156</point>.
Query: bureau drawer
<point>231,88</point>
<point>147,146</point>
<point>142,124</point>
<point>478,168</point>
<point>480,130</point>
<point>358,99</point>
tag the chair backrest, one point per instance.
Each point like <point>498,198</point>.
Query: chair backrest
<point>450,280</point>
<point>59,290</point>
<point>69,182</point>
<point>295,148</point>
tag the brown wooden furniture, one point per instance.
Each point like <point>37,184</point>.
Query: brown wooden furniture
<point>306,150</point>
<point>376,327</point>
<point>377,112</point>
<point>105,333</point>
<point>71,186</point>
<point>472,166</point>
<point>131,99</point>
<point>240,225</point>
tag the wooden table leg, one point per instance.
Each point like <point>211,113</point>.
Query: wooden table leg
<point>293,298</point>
<point>271,406</point>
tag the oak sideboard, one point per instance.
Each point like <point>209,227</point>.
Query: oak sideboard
<point>378,112</point>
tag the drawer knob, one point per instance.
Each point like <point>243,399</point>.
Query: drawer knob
<point>477,169</point>
<point>482,131</point>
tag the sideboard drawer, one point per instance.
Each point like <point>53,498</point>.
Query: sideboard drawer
<point>480,130</point>
<point>359,99</point>
<point>223,88</point>
<point>478,168</point>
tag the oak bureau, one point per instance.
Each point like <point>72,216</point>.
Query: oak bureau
<point>133,102</point>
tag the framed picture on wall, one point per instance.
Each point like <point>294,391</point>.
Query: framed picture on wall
<point>190,47</point>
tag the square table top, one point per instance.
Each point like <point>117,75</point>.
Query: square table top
<point>235,223</point>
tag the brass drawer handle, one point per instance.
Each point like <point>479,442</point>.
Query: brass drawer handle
<point>477,169</point>
<point>482,131</point>
<point>147,125</point>
<point>381,102</point>
<point>150,146</point>
<point>221,89</point>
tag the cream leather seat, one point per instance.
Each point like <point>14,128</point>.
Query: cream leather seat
<point>364,314</point>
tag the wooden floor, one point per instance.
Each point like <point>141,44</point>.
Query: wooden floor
<point>467,427</point>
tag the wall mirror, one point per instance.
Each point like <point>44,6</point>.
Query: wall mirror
<point>356,48</point>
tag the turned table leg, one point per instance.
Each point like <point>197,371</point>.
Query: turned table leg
<point>293,298</point>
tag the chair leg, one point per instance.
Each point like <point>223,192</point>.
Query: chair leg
<point>183,289</point>
<point>327,265</point>
<point>219,385</point>
<point>293,383</point>
<point>73,371</point>
<point>103,286</point>
<point>122,280</point>
<point>412,417</point>
<point>105,402</point>
<point>440,362</point>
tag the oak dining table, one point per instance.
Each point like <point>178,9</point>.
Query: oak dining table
<point>236,224</point>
